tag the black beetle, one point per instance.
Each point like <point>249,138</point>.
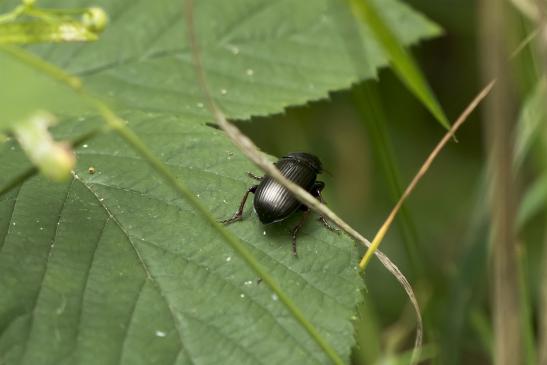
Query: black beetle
<point>274,203</point>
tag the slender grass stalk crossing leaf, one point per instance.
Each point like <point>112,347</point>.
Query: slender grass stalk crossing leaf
<point>112,267</point>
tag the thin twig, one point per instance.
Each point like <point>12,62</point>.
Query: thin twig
<point>249,149</point>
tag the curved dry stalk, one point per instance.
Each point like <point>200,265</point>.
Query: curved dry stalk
<point>249,149</point>
<point>421,172</point>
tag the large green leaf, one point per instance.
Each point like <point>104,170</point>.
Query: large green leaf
<point>260,56</point>
<point>25,90</point>
<point>113,268</point>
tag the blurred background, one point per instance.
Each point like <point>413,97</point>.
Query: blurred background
<point>372,140</point>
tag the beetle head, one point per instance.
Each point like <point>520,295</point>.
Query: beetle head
<point>306,158</point>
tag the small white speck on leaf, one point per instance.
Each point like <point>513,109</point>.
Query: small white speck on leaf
<point>160,333</point>
<point>235,50</point>
<point>85,146</point>
<point>274,297</point>
<point>229,258</point>
<point>224,91</point>
<point>61,307</point>
<point>264,233</point>
<point>242,295</point>
<point>248,282</point>
<point>250,72</point>
<point>200,105</point>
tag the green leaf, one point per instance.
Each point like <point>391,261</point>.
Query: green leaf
<point>111,267</point>
<point>259,56</point>
<point>25,90</point>
<point>530,120</point>
<point>113,261</point>
<point>403,63</point>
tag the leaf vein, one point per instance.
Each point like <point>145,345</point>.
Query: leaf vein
<point>130,321</point>
<point>228,283</point>
<point>139,257</point>
<point>40,287</point>
<point>10,218</point>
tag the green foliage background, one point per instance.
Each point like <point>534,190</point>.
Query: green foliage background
<point>113,267</point>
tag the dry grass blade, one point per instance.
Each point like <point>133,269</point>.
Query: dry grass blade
<point>249,149</point>
<point>421,172</point>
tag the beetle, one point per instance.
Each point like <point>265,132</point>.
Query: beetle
<point>274,203</point>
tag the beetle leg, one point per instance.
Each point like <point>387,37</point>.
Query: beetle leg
<point>329,226</point>
<point>253,176</point>
<point>239,214</point>
<point>317,188</point>
<point>297,228</point>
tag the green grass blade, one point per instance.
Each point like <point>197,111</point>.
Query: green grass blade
<point>402,62</point>
<point>368,104</point>
<point>526,317</point>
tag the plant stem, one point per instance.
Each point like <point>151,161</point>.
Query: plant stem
<point>541,18</point>
<point>499,118</point>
